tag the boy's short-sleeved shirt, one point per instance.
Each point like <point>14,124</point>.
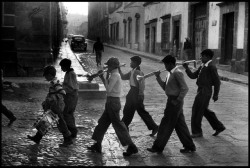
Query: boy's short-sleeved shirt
<point>70,83</point>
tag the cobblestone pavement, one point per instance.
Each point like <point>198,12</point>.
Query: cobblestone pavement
<point>230,148</point>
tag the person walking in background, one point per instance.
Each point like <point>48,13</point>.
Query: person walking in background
<point>135,97</point>
<point>98,49</point>
<point>70,85</point>
<point>207,76</point>
<point>187,49</point>
<point>175,88</point>
<point>54,101</point>
<point>111,113</point>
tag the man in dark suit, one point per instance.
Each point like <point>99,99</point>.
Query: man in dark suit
<point>207,76</point>
<point>175,88</point>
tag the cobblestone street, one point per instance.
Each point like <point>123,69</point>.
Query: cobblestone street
<point>230,148</point>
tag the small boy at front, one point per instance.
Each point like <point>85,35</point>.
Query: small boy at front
<point>70,85</point>
<point>55,102</point>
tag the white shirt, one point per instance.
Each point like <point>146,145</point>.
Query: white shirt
<point>131,80</point>
<point>113,84</point>
<point>168,75</point>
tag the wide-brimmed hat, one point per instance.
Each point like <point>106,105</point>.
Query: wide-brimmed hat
<point>113,62</point>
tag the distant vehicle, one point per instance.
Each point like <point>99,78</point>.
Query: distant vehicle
<point>78,43</point>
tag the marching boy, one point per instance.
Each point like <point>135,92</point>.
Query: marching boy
<point>135,97</point>
<point>176,89</point>
<point>70,85</point>
<point>207,77</point>
<point>55,102</point>
<point>111,113</point>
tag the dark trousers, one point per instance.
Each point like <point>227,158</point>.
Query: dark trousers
<point>98,57</point>
<point>7,112</point>
<point>173,119</point>
<point>62,126</point>
<point>200,109</point>
<point>68,113</point>
<point>134,102</point>
<point>110,115</point>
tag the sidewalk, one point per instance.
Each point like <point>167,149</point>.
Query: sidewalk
<point>224,75</point>
<point>66,52</point>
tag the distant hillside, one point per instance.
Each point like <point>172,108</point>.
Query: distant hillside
<point>75,21</point>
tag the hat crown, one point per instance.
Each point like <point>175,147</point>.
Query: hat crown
<point>113,62</point>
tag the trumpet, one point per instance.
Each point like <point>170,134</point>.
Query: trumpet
<point>90,77</point>
<point>139,77</point>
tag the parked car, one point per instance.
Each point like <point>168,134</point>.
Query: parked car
<point>78,42</point>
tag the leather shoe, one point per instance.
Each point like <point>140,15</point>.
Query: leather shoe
<point>153,150</point>
<point>132,149</point>
<point>186,150</point>
<point>95,148</point>
<point>196,135</point>
<point>154,131</point>
<point>11,121</point>
<point>218,131</point>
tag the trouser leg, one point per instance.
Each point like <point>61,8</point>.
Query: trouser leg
<point>167,125</point>
<point>113,109</point>
<point>7,112</point>
<point>146,117</point>
<point>129,109</point>
<point>70,106</point>
<point>62,126</point>
<point>213,120</point>
<point>102,126</point>
<point>199,106</point>
<point>183,132</point>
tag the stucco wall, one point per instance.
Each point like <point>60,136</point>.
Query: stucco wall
<point>164,8</point>
<point>26,36</point>
<point>213,27</point>
<point>241,25</point>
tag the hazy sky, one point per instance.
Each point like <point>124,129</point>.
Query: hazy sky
<point>77,7</point>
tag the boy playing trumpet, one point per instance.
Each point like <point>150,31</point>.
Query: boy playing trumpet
<point>175,88</point>
<point>111,114</point>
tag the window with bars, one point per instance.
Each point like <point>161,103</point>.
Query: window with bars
<point>8,14</point>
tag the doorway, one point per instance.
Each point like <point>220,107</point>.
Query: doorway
<point>153,39</point>
<point>176,37</point>
<point>227,38</point>
<point>147,40</point>
<point>125,34</point>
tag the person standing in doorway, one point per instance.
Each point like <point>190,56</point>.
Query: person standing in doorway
<point>207,76</point>
<point>187,49</point>
<point>135,97</point>
<point>98,49</point>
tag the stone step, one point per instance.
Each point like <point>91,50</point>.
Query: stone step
<point>87,93</point>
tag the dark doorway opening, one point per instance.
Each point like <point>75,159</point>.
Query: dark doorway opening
<point>227,38</point>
